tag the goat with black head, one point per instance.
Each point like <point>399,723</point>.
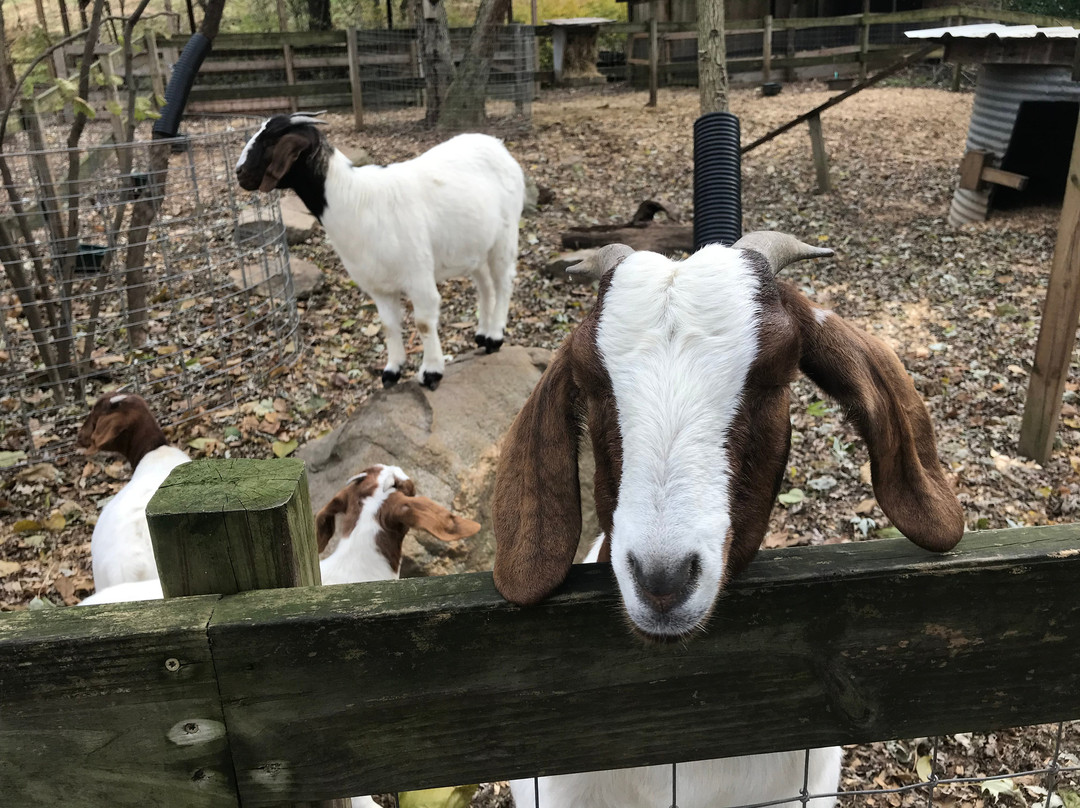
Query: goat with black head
<point>402,228</point>
<point>681,373</point>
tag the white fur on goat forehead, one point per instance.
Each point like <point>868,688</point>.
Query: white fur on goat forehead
<point>247,146</point>
<point>677,340</point>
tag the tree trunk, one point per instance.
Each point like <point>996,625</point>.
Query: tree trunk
<point>7,67</point>
<point>435,55</point>
<point>319,15</point>
<point>464,105</point>
<point>146,209</point>
<point>712,57</point>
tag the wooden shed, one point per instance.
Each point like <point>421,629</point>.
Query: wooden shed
<point>1024,118</point>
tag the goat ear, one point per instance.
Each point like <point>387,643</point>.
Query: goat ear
<point>536,510</point>
<point>106,430</point>
<point>282,157</point>
<point>866,377</point>
<point>421,512</point>
<point>325,521</point>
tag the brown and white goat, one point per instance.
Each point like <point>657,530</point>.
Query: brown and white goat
<point>120,549</point>
<point>681,373</point>
<point>363,526</point>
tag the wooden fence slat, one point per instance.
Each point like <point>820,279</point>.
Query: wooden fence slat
<point>112,706</point>
<point>1057,332</point>
<point>436,681</point>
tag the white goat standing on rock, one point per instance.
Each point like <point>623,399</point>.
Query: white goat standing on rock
<point>402,228</point>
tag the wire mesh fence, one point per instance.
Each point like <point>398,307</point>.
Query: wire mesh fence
<point>1034,767</point>
<point>285,72</point>
<point>192,311</point>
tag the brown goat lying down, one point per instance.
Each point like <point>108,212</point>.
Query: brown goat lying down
<point>681,373</point>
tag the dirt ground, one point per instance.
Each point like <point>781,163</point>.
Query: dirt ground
<point>960,307</point>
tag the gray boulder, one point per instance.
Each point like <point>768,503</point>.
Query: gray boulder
<point>448,442</point>
<point>299,223</point>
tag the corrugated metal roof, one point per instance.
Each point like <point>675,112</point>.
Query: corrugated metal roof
<point>995,29</point>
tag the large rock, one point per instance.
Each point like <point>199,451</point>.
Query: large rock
<point>299,223</point>
<point>448,442</point>
<point>307,277</point>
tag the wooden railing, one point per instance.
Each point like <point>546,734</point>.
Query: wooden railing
<point>265,697</point>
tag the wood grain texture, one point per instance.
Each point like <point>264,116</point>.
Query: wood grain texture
<point>1057,331</point>
<point>424,682</point>
<point>225,526</point>
<point>112,706</point>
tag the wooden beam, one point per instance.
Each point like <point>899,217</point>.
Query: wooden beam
<point>115,704</point>
<point>821,157</point>
<point>1057,333</point>
<point>836,99</point>
<point>421,682</point>
<point>290,71</point>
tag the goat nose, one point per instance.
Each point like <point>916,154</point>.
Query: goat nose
<point>666,586</point>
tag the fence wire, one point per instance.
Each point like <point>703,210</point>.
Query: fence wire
<point>949,771</point>
<point>194,323</point>
<point>243,74</point>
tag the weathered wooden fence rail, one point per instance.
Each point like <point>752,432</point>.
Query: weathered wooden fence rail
<point>272,696</point>
<point>270,71</point>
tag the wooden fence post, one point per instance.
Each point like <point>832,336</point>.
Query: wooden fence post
<point>290,74</point>
<point>956,76</point>
<point>821,157</point>
<point>354,79</point>
<point>1057,333</point>
<point>654,57</point>
<point>228,526</point>
<point>766,49</point>
<point>864,39</point>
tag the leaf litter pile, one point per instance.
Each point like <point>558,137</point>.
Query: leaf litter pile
<point>960,307</point>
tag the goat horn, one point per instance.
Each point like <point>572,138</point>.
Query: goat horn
<point>595,265</point>
<point>307,117</point>
<point>779,249</point>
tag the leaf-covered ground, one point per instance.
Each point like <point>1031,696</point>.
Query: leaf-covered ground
<point>960,307</point>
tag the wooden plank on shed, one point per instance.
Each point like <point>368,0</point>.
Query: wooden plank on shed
<point>439,680</point>
<point>112,705</point>
<point>1057,332</point>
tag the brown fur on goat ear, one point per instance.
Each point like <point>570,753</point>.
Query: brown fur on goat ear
<point>536,510</point>
<point>422,513</point>
<point>282,157</point>
<point>866,377</point>
<point>325,520</point>
<point>106,429</point>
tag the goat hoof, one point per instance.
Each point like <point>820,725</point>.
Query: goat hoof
<point>481,340</point>
<point>390,377</point>
<point>492,345</point>
<point>430,380</point>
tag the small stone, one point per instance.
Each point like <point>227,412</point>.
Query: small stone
<point>532,196</point>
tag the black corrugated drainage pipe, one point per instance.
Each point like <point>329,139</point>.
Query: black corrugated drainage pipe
<point>183,76</point>
<point>717,180</point>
